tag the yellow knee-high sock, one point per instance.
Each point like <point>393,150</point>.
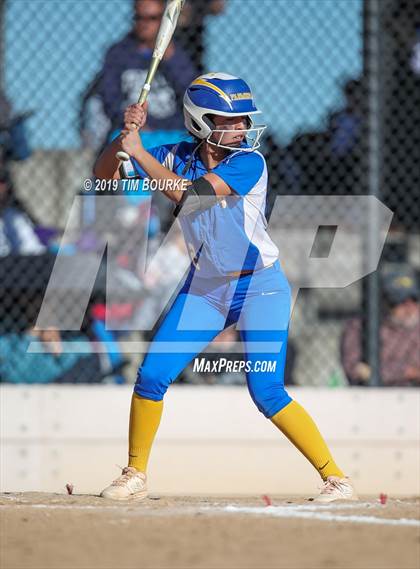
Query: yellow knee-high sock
<point>294,422</point>
<point>145,417</point>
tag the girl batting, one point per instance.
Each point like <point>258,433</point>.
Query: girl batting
<point>235,276</point>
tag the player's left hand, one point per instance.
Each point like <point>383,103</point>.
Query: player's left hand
<point>130,142</point>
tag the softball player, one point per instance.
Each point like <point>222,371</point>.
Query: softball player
<point>235,276</point>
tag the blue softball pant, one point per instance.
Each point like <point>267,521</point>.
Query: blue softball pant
<point>259,304</point>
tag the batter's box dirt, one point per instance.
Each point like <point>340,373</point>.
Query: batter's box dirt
<point>63,531</point>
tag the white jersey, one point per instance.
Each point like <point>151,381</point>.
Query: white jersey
<point>231,235</point>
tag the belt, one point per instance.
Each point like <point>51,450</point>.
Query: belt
<point>239,274</point>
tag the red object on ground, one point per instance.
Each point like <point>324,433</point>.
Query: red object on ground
<point>383,498</point>
<point>69,488</point>
<point>267,500</point>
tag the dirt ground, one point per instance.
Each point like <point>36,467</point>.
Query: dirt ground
<point>58,531</point>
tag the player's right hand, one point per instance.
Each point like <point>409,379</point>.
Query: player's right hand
<point>135,117</point>
<point>130,141</point>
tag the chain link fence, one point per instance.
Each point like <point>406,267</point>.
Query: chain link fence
<point>339,87</point>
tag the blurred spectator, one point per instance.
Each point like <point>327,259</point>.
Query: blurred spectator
<point>23,281</point>
<point>346,124</point>
<point>346,131</point>
<point>399,334</point>
<point>191,28</point>
<point>329,162</point>
<point>51,364</point>
<point>125,69</point>
<point>13,140</point>
<point>401,111</point>
<point>20,301</point>
<point>94,123</point>
<point>309,154</point>
<point>17,230</point>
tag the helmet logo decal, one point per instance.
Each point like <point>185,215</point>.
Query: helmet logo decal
<point>240,96</point>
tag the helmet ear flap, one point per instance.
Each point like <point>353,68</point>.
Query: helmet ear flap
<point>196,125</point>
<point>208,121</point>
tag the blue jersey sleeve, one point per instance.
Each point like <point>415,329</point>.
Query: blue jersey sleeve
<point>159,152</point>
<point>241,172</point>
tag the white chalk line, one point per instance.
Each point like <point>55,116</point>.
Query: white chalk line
<point>109,505</point>
<point>319,512</point>
<point>283,512</point>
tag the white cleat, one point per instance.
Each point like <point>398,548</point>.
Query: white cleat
<point>336,488</point>
<point>131,485</point>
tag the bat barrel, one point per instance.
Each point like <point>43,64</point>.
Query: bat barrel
<point>166,31</point>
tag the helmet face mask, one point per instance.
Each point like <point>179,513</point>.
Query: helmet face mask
<point>222,95</point>
<point>251,136</point>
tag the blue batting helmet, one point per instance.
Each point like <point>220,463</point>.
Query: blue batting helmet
<point>218,94</point>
